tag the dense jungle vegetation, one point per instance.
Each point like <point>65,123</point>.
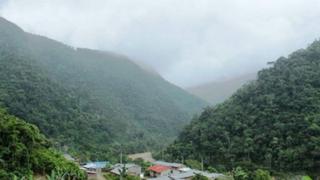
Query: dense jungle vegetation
<point>272,123</point>
<point>89,103</point>
<point>24,151</point>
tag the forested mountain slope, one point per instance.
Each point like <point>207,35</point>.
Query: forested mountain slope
<point>273,122</point>
<point>90,101</point>
<point>218,91</point>
<point>25,151</point>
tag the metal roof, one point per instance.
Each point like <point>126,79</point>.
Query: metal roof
<point>160,178</point>
<point>182,175</point>
<point>158,168</point>
<point>176,165</point>
<point>118,167</point>
<point>129,165</point>
<point>96,165</point>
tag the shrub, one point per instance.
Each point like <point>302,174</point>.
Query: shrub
<point>261,175</point>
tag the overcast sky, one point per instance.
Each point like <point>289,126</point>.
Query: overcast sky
<point>188,42</point>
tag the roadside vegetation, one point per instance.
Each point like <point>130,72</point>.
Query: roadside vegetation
<point>25,152</point>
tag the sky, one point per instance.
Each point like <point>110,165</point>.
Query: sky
<point>188,42</point>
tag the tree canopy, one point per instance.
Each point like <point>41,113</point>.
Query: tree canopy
<point>273,122</point>
<point>88,101</point>
<point>25,151</point>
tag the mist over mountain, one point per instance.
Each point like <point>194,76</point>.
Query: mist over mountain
<point>188,43</point>
<point>90,101</point>
<point>218,91</point>
<point>160,89</point>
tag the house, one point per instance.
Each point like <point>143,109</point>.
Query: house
<point>146,156</point>
<point>185,174</point>
<point>159,170</point>
<point>132,169</point>
<point>188,175</point>
<point>211,176</point>
<point>94,167</point>
<point>175,171</point>
<point>160,178</point>
<point>173,166</point>
<point>182,175</point>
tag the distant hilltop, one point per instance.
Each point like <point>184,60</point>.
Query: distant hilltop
<point>217,91</point>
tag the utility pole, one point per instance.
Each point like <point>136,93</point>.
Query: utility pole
<point>120,154</point>
<point>201,163</point>
<point>121,161</point>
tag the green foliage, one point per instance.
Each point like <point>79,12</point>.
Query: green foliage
<point>87,101</point>
<point>212,169</point>
<point>272,123</point>
<point>65,174</point>
<point>25,151</point>
<point>199,177</point>
<point>225,178</point>
<point>306,178</point>
<point>55,176</point>
<point>261,175</point>
<point>240,174</point>
<point>110,176</point>
<point>194,164</point>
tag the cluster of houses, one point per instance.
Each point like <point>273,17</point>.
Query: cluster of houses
<point>159,170</point>
<point>95,169</point>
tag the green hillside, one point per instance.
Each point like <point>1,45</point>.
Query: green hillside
<point>24,151</point>
<point>273,122</point>
<point>89,101</point>
<point>218,91</point>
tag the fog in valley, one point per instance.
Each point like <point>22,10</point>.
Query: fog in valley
<point>189,43</point>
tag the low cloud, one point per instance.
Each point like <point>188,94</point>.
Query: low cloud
<point>187,42</point>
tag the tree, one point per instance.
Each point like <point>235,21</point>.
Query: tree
<point>270,123</point>
<point>261,175</point>
<point>306,178</point>
<point>24,151</point>
<point>194,164</point>
<point>240,174</point>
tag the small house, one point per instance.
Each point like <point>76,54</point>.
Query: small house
<point>132,169</point>
<point>147,156</point>
<point>159,170</point>
<point>173,166</point>
<point>182,176</point>
<point>94,167</point>
<point>188,174</point>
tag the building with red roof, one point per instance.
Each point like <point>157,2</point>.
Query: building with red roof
<point>159,170</point>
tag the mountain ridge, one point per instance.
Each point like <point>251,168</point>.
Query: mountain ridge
<point>104,95</point>
<point>271,123</point>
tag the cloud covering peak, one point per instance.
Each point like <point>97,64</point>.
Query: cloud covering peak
<point>187,42</point>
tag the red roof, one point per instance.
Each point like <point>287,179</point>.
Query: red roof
<point>158,168</point>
